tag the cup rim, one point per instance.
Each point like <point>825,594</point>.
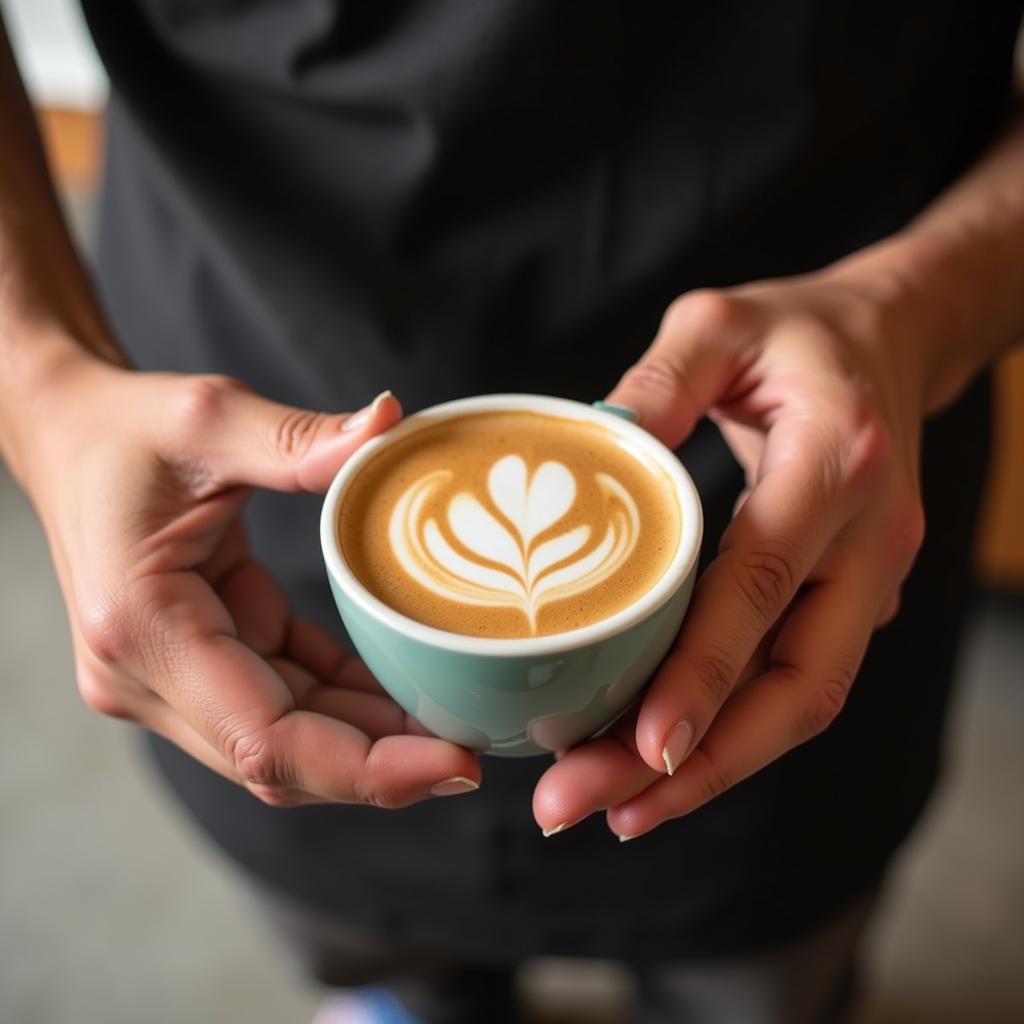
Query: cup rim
<point>678,570</point>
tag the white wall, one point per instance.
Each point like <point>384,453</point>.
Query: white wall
<point>55,53</point>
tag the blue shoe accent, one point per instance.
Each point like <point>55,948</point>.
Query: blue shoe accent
<point>383,1004</point>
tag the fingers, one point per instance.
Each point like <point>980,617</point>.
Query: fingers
<point>218,434</point>
<point>338,762</point>
<point>164,720</point>
<point>778,536</point>
<point>186,649</point>
<point>813,667</point>
<point>317,650</point>
<point>591,777</point>
<point>608,771</point>
<point>257,606</point>
<point>232,547</point>
<point>372,712</point>
<point>355,760</point>
<point>691,365</point>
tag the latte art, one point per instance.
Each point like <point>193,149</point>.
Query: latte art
<point>509,563</point>
<point>508,524</point>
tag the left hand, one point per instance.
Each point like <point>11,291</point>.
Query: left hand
<point>819,385</point>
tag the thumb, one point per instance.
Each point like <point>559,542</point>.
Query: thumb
<point>689,366</point>
<point>246,439</point>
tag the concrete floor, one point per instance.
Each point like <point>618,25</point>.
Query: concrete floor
<point>112,912</point>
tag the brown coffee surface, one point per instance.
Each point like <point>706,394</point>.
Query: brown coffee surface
<point>509,524</point>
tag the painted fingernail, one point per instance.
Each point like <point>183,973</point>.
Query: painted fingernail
<point>677,743</point>
<point>454,786</point>
<point>560,827</point>
<point>361,418</point>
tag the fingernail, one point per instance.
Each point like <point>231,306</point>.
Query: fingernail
<point>626,839</point>
<point>677,743</point>
<point>454,786</point>
<point>359,419</point>
<point>560,827</point>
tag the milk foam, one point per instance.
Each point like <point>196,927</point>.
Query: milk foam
<point>504,567</point>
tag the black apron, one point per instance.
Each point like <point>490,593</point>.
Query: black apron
<point>325,199</point>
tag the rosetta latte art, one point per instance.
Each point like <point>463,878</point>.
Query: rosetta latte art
<point>517,567</point>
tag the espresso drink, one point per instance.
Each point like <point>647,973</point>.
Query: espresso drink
<point>509,524</point>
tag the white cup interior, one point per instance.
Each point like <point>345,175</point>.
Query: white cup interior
<point>686,554</point>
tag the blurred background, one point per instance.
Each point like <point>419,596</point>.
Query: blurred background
<point>112,910</point>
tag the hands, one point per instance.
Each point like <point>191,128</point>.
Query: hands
<point>820,385</point>
<point>176,626</point>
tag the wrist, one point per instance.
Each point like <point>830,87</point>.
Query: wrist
<point>44,378</point>
<point>923,307</point>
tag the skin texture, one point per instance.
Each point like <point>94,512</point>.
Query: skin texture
<point>175,624</point>
<point>138,479</point>
<point>810,565</point>
<point>819,383</point>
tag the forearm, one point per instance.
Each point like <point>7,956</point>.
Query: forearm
<point>956,272</point>
<point>49,316</point>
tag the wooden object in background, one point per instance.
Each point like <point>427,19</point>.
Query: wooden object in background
<point>73,141</point>
<point>1000,548</point>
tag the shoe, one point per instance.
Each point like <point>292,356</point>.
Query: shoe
<point>370,1005</point>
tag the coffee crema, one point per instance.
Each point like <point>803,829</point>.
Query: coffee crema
<point>509,524</point>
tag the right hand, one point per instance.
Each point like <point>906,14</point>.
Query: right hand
<point>139,479</point>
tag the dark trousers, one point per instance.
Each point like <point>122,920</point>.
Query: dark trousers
<point>809,981</point>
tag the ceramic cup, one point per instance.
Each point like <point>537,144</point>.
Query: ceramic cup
<point>517,697</point>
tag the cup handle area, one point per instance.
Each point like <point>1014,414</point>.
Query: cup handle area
<point>618,410</point>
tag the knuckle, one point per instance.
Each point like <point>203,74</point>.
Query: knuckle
<point>100,695</point>
<point>294,432</point>
<point>200,401</point>
<point>869,451</point>
<point>767,579</point>
<point>256,759</point>
<point>907,532</point>
<point>827,703</point>
<point>199,405</point>
<point>687,323</point>
<point>369,792</point>
<point>715,677</point>
<point>713,780</point>
<point>703,310</point>
<point>275,796</point>
<point>108,630</point>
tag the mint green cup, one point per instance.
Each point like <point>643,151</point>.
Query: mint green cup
<point>518,697</point>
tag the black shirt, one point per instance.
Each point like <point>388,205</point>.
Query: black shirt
<point>447,198</point>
